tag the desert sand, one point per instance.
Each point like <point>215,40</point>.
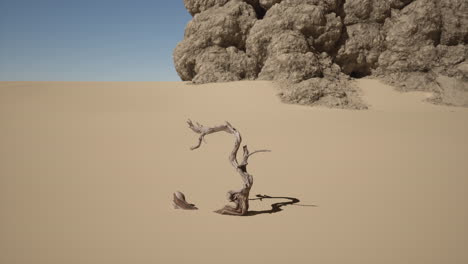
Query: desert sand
<point>87,172</point>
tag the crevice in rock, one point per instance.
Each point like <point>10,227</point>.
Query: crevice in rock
<point>344,33</point>
<point>259,10</point>
<point>260,13</point>
<point>191,71</point>
<point>405,3</point>
<point>340,11</point>
<point>437,35</point>
<point>360,73</point>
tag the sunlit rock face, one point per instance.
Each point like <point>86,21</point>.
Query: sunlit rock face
<point>401,41</point>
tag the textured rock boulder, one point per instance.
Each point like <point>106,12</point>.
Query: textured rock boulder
<point>454,14</point>
<point>315,46</point>
<point>411,37</point>
<point>214,45</point>
<point>358,55</point>
<point>197,6</point>
<point>337,93</point>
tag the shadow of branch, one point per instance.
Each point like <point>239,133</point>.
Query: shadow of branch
<point>275,207</point>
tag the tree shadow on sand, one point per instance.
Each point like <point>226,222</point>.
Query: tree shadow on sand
<point>275,207</point>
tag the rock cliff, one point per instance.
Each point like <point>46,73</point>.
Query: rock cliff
<point>314,46</point>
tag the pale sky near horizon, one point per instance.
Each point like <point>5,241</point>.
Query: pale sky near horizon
<point>90,40</point>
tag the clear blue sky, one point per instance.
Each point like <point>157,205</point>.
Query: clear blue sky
<point>90,40</point>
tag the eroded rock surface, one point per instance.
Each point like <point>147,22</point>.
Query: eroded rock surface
<point>315,46</point>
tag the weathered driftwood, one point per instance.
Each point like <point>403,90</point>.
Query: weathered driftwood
<point>239,197</point>
<point>179,202</point>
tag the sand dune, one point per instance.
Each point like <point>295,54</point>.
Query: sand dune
<point>87,172</point>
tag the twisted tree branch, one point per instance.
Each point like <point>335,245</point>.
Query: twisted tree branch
<point>239,197</point>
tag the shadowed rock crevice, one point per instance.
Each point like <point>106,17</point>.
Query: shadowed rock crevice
<point>259,9</point>
<point>361,73</point>
<point>408,43</point>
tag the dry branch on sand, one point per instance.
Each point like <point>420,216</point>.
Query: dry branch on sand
<point>179,202</point>
<point>239,197</point>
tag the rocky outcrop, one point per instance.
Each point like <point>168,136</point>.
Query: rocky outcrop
<point>214,46</point>
<point>320,44</point>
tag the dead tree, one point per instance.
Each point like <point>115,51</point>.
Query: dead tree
<point>239,197</point>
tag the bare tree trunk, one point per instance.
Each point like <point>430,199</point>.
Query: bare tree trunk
<point>239,197</point>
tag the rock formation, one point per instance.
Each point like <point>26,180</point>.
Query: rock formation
<point>315,46</point>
